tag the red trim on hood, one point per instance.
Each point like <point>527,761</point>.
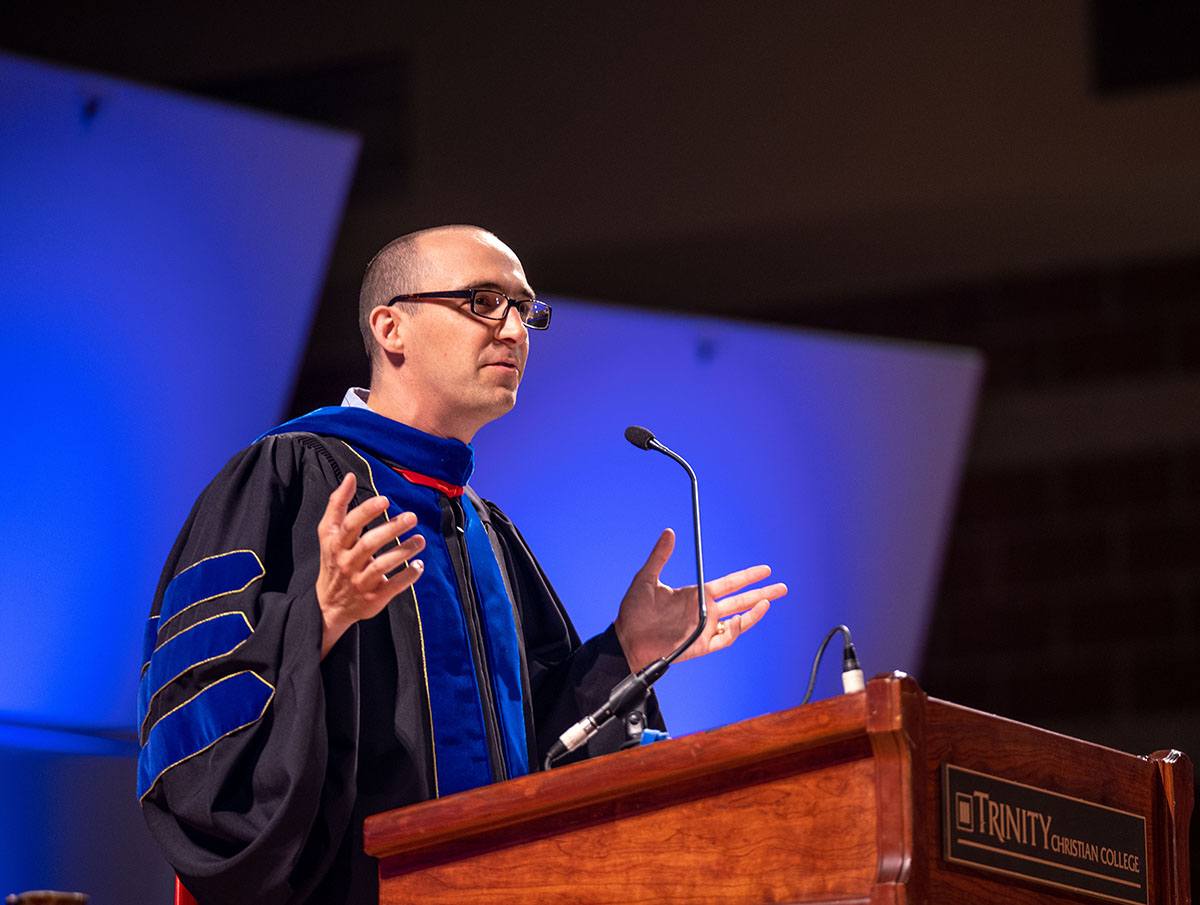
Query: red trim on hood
<point>450,490</point>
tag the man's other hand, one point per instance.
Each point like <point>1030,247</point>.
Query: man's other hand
<point>353,582</point>
<point>655,618</point>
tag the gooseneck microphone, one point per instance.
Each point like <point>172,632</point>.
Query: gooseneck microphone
<point>640,437</point>
<point>634,687</point>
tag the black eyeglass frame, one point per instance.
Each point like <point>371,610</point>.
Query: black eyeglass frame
<point>526,308</point>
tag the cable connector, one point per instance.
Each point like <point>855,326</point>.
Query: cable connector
<point>852,674</point>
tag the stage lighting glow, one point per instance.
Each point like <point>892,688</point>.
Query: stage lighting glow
<point>160,260</point>
<point>835,459</point>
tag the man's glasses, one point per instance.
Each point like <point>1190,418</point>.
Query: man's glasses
<point>490,304</point>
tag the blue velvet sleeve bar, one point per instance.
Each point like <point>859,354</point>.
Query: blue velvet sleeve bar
<point>248,738</point>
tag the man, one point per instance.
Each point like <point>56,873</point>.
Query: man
<point>343,628</point>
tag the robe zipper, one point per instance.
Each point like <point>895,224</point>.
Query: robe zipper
<point>472,615</point>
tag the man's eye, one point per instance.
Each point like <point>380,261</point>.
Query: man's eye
<point>488,301</point>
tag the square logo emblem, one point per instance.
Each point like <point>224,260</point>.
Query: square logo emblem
<point>964,813</point>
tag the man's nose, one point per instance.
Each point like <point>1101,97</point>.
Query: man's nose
<point>512,328</point>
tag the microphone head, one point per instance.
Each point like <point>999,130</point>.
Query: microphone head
<point>639,436</point>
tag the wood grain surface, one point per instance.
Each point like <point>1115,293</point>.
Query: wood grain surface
<point>835,802</point>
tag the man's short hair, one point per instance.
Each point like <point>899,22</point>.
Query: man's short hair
<point>395,269</point>
<point>392,271</point>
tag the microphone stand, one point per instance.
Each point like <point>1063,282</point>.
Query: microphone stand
<point>634,688</point>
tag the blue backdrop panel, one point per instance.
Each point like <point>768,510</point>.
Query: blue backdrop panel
<point>160,259</point>
<point>836,460</point>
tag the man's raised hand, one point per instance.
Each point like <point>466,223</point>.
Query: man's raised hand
<point>655,618</point>
<point>353,582</point>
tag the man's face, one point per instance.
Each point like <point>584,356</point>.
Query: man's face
<point>463,369</point>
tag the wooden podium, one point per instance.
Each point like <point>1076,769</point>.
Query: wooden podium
<point>886,796</point>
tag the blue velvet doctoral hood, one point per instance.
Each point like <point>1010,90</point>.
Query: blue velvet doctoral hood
<point>389,449</point>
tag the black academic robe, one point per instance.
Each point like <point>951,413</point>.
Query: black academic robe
<point>263,803</point>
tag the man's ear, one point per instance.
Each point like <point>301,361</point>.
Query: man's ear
<point>387,326</point>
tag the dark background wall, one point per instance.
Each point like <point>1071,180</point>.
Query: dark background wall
<point>1018,177</point>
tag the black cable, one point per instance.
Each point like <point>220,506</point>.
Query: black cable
<point>849,658</point>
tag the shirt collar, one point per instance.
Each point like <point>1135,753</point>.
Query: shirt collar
<point>356,398</point>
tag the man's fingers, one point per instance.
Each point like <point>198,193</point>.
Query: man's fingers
<point>380,536</point>
<point>657,560</point>
<point>377,588</point>
<point>339,499</point>
<point>402,581</point>
<point>726,633</point>
<point>750,619</point>
<point>740,602</point>
<point>734,627</point>
<point>395,557</point>
<point>358,518</point>
<point>735,581</point>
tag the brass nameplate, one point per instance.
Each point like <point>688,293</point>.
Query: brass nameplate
<point>1021,830</point>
